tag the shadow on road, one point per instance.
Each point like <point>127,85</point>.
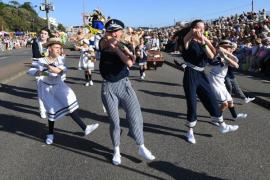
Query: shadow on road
<point>179,173</point>
<point>18,91</point>
<point>162,94</point>
<point>252,93</point>
<point>76,80</point>
<point>22,108</point>
<point>157,82</point>
<point>37,131</point>
<point>148,127</point>
<point>177,115</point>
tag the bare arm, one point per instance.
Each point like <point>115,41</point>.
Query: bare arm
<point>209,44</point>
<point>127,59</point>
<point>188,37</point>
<point>232,60</point>
<point>209,50</point>
<point>125,55</point>
<point>55,70</point>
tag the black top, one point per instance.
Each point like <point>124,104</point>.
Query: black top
<point>35,49</point>
<point>195,54</point>
<point>111,67</point>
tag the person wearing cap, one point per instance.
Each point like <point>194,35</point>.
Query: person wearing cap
<point>87,59</point>
<point>224,58</point>
<point>197,50</point>
<point>116,91</point>
<point>38,51</point>
<point>59,99</point>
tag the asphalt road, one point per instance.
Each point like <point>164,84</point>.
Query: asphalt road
<point>243,154</point>
<point>12,63</point>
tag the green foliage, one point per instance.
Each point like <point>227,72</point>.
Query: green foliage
<point>28,6</point>
<point>61,27</point>
<point>16,17</point>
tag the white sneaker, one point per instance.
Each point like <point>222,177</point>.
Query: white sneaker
<point>90,128</point>
<point>116,160</point>
<point>145,153</point>
<point>247,100</point>
<point>228,128</point>
<point>49,139</point>
<point>142,77</point>
<point>87,84</point>
<point>91,83</point>
<point>241,116</point>
<point>43,115</point>
<point>190,137</point>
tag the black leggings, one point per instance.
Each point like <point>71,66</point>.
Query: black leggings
<point>75,118</point>
<point>142,69</point>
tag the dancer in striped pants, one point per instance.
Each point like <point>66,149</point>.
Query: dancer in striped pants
<point>117,90</point>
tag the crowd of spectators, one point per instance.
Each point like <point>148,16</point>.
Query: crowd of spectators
<point>8,42</point>
<point>250,30</point>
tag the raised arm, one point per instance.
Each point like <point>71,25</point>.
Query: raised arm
<point>188,37</point>
<point>229,57</point>
<point>207,46</point>
<point>112,45</point>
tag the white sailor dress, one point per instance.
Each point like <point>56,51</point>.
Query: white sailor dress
<point>217,82</point>
<point>59,99</point>
<point>86,63</point>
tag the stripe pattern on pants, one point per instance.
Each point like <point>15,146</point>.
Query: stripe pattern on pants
<point>121,93</point>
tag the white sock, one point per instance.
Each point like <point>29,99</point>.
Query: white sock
<point>117,150</point>
<point>190,130</point>
<point>142,146</point>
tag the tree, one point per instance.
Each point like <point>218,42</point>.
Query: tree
<point>28,6</point>
<point>14,3</point>
<point>61,27</point>
<point>2,5</point>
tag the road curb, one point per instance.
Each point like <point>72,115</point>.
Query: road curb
<point>261,101</point>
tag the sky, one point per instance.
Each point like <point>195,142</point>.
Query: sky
<point>149,13</point>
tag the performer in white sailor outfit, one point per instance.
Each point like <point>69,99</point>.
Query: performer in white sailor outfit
<point>87,60</point>
<point>223,59</point>
<point>59,99</point>
<point>141,54</point>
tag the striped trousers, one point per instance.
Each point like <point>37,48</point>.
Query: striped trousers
<point>121,93</point>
